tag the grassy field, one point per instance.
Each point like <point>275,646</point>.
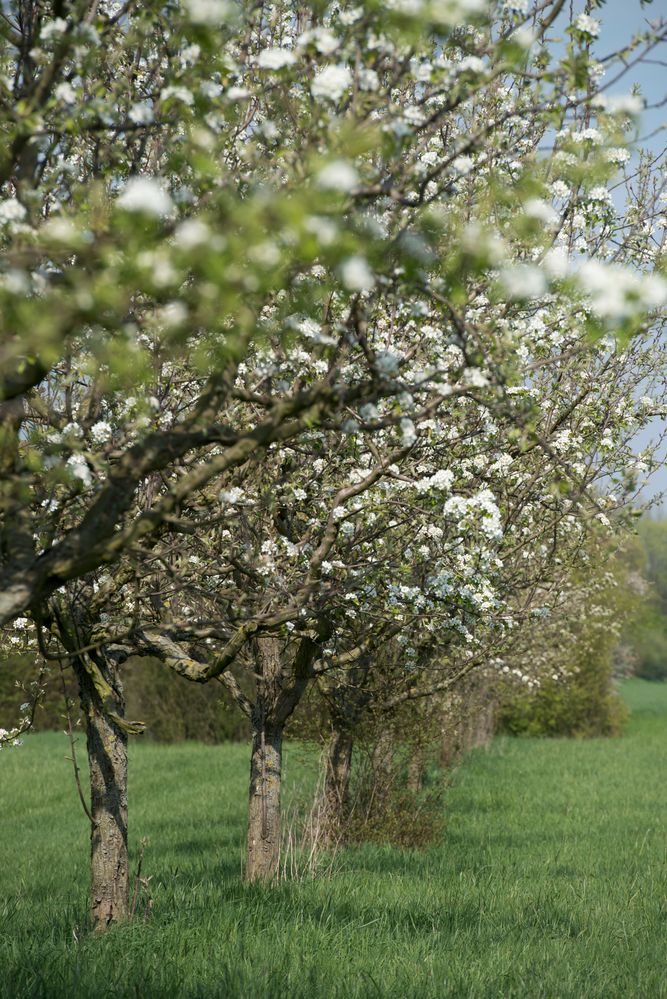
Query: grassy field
<point>551,881</point>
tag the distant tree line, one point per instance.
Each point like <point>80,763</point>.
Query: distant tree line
<point>645,640</point>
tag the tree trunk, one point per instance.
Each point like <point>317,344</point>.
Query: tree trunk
<point>450,747</point>
<point>483,725</point>
<point>382,762</point>
<point>279,689</point>
<point>264,805</point>
<point>416,770</point>
<point>336,784</point>
<point>107,760</point>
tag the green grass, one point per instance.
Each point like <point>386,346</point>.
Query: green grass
<point>551,881</point>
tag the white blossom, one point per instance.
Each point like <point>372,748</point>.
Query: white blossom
<point>237,93</point>
<point>463,164</point>
<point>233,496</point>
<point>351,15</point>
<point>616,292</point>
<point>141,113</point>
<point>556,262</point>
<point>276,58</point>
<point>11,210</point>
<point>178,94</point>
<point>49,30</point>
<point>79,468</point>
<point>101,432</point>
<point>213,12</point>
<point>524,36</point>
<point>368,79</point>
<point>471,64</point>
<point>356,274</point>
<point>408,431</point>
<point>588,25</point>
<point>146,196</point>
<point>338,175</point>
<point>620,103</point>
<point>191,233</point>
<point>323,38</point>
<point>387,362</point>
<point>65,92</point>
<point>331,83</point>
<point>443,479</point>
<point>541,211</point>
<point>523,281</point>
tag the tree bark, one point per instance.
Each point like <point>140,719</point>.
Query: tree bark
<point>265,765</point>
<point>279,689</point>
<point>107,760</point>
<point>264,804</point>
<point>416,770</point>
<point>336,784</point>
<point>382,762</point>
<point>383,756</point>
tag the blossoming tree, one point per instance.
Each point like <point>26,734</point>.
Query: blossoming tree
<point>305,320</point>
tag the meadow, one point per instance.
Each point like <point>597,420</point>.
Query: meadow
<point>550,881</point>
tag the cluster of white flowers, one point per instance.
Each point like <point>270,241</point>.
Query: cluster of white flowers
<point>331,82</point>
<point>523,281</point>
<point>178,94</point>
<point>65,93</point>
<point>338,175</point>
<point>10,737</point>
<point>78,467</point>
<point>276,59</point>
<point>356,274</point>
<point>232,497</point>
<point>483,505</point>
<point>101,432</point>
<point>210,12</point>
<point>617,293</point>
<point>622,104</point>
<point>147,196</point>
<point>443,480</point>
<point>588,25</point>
<point>52,29</point>
<point>11,210</point>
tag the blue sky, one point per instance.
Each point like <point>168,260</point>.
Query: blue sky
<point>621,19</point>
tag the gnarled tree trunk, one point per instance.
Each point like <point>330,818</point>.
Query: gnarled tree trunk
<point>338,767</point>
<point>264,804</point>
<point>107,760</point>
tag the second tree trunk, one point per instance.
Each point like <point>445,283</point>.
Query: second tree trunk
<point>337,785</point>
